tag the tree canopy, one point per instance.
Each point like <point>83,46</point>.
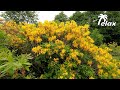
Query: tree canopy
<point>20,16</point>
<point>61,17</point>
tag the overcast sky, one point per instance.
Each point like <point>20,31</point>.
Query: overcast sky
<point>49,15</point>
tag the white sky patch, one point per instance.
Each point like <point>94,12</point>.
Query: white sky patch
<point>50,15</point>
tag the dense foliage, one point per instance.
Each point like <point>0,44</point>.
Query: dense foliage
<point>54,51</point>
<point>61,17</point>
<point>21,16</point>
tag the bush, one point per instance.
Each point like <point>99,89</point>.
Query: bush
<point>3,39</point>
<point>64,51</point>
<point>67,51</point>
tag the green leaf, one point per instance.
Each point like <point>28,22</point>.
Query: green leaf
<point>27,68</point>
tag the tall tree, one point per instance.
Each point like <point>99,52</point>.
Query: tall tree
<point>87,17</point>
<point>111,33</point>
<point>61,17</point>
<point>79,17</point>
<point>93,18</point>
<point>20,16</point>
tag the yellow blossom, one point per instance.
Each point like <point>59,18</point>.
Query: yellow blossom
<point>99,66</point>
<point>48,45</point>
<point>52,38</point>
<point>106,74</point>
<point>69,36</point>
<point>75,44</point>
<point>91,78</point>
<point>38,39</point>
<point>114,75</point>
<point>118,71</point>
<point>90,63</point>
<point>70,65</point>
<point>63,51</point>
<point>61,77</point>
<point>36,49</point>
<point>100,71</point>
<point>79,61</point>
<point>56,59</point>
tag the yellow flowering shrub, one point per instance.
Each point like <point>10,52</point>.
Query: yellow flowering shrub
<point>65,50</point>
<point>14,33</point>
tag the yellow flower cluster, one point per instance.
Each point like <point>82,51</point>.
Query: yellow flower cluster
<point>39,50</point>
<point>74,54</point>
<point>62,53</point>
<point>61,35</point>
<point>51,38</point>
<point>36,49</point>
<point>64,74</point>
<point>13,31</point>
<point>56,59</point>
<point>33,33</point>
<point>69,36</point>
<point>64,35</point>
<point>90,62</point>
